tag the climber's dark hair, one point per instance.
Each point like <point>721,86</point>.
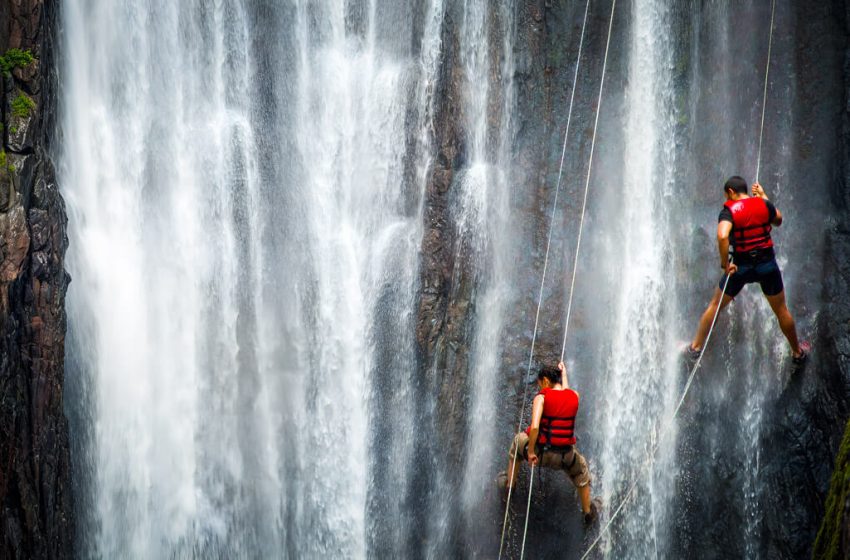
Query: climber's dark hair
<point>736,184</point>
<point>550,373</point>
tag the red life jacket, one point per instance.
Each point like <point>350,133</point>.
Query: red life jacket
<point>750,224</point>
<point>557,426</point>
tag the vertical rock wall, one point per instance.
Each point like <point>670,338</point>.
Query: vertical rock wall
<point>803,424</point>
<point>34,459</point>
<point>833,540</point>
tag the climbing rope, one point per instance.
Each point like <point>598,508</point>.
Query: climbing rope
<point>663,431</point>
<point>543,281</point>
<point>764,94</point>
<point>527,509</point>
<point>580,228</point>
<point>669,423</point>
<point>587,184</point>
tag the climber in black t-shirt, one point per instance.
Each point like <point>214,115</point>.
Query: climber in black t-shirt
<point>744,224</point>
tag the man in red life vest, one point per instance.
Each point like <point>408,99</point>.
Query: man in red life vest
<point>550,439</point>
<point>745,224</point>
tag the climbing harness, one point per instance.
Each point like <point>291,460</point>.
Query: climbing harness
<point>631,492</point>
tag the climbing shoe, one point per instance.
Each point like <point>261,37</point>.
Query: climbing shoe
<point>591,516</point>
<point>691,356</point>
<point>798,361</point>
<point>502,480</point>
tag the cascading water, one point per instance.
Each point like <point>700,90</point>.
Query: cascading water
<point>681,141</point>
<point>254,194</point>
<point>244,237</point>
<point>641,378</point>
<point>485,215</point>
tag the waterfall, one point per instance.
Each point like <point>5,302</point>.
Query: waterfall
<point>306,243</point>
<point>245,223</point>
<point>641,379</point>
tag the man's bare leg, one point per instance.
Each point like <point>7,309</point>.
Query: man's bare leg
<point>707,317</point>
<point>513,473</point>
<point>786,321</point>
<point>584,495</point>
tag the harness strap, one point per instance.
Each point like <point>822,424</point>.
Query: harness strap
<point>573,462</point>
<point>739,234</point>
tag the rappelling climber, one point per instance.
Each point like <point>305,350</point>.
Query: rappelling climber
<point>550,439</point>
<point>744,227</point>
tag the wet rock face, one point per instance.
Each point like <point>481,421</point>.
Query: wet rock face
<point>34,457</point>
<point>833,387</point>
<point>804,419</point>
<point>446,315</point>
<point>802,425</point>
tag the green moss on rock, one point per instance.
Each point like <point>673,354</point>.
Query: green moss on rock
<point>22,105</point>
<point>828,545</point>
<point>4,163</point>
<point>15,58</point>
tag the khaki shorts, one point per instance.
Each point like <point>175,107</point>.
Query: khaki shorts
<point>572,462</point>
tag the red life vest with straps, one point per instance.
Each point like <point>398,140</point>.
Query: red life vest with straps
<point>557,426</point>
<point>750,224</point>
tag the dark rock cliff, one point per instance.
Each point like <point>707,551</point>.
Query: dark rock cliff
<point>804,421</point>
<point>833,390</point>
<point>34,458</point>
<point>545,40</point>
<point>833,541</point>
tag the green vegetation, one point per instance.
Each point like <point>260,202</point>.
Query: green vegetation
<point>22,105</point>
<point>15,58</point>
<point>4,164</point>
<point>828,542</point>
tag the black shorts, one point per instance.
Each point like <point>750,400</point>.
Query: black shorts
<point>766,273</point>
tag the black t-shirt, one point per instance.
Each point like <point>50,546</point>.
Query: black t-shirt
<point>726,214</point>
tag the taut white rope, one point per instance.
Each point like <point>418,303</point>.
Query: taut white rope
<point>580,227</point>
<point>527,509</point>
<point>664,428</point>
<point>587,182</point>
<point>545,267</point>
<point>764,94</point>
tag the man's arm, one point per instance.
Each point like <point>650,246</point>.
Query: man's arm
<point>724,228</point>
<point>536,415</point>
<point>776,219</point>
<point>565,381</point>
